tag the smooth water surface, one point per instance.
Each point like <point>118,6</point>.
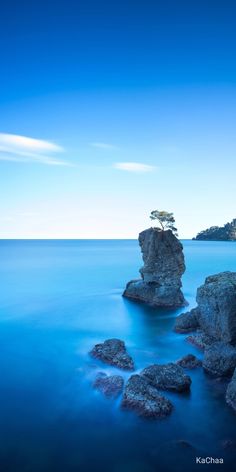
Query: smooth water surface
<point>59,298</point>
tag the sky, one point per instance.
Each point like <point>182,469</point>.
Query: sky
<point>112,109</point>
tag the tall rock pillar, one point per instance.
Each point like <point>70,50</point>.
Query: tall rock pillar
<point>162,270</point>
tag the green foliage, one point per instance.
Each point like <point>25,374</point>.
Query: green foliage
<point>165,219</point>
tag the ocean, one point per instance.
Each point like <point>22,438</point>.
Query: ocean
<point>57,299</point>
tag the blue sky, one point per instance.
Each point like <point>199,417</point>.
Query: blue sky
<point>109,110</point>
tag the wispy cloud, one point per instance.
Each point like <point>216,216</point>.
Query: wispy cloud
<point>134,167</point>
<point>101,145</point>
<point>15,148</point>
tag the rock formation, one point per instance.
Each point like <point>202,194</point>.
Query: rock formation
<point>216,311</point>
<point>143,398</point>
<point>220,359</point>
<point>113,352</point>
<point>215,322</point>
<point>141,392</point>
<point>167,377</point>
<point>187,322</point>
<point>217,233</point>
<point>189,362</point>
<point>109,385</point>
<point>163,258</point>
<point>200,339</point>
<point>217,306</point>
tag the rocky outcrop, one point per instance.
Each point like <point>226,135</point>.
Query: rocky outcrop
<point>231,392</point>
<point>200,339</point>
<point>186,322</point>
<point>164,265</point>
<point>109,385</point>
<point>217,306</point>
<point>219,359</point>
<point>113,352</point>
<point>215,314</point>
<point>144,399</point>
<point>218,233</point>
<point>189,362</point>
<point>167,377</point>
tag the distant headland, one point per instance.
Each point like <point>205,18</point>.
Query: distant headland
<point>219,233</point>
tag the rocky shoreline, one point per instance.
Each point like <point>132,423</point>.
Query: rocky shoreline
<point>214,324</point>
<point>210,326</point>
<point>219,233</point>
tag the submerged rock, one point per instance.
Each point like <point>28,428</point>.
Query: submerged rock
<point>145,399</point>
<point>113,352</point>
<point>229,444</point>
<point>189,362</point>
<point>219,359</point>
<point>177,456</point>
<point>231,392</point>
<point>167,377</point>
<point>186,322</point>
<point>216,311</point>
<point>110,386</point>
<point>161,274</point>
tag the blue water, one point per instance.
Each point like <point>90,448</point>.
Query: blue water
<point>59,298</point>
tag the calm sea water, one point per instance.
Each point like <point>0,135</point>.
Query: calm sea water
<point>59,298</point>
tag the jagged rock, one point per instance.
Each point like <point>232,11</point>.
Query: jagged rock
<point>113,352</point>
<point>145,399</point>
<point>219,359</point>
<point>219,233</point>
<point>161,274</point>
<point>231,392</point>
<point>167,377</point>
<point>189,362</point>
<point>186,322</point>
<point>216,311</point>
<point>217,306</point>
<point>110,386</point>
<point>200,339</point>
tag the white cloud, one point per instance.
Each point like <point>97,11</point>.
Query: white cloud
<point>133,167</point>
<point>103,145</point>
<point>15,148</point>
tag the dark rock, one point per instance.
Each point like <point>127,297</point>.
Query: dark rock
<point>186,322</point>
<point>145,399</point>
<point>200,339</point>
<point>161,274</point>
<point>219,359</point>
<point>113,352</point>
<point>231,392</point>
<point>110,386</point>
<point>189,362</point>
<point>219,233</point>
<point>167,377</point>
<point>217,306</point>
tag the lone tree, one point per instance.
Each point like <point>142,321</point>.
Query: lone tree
<point>165,219</point>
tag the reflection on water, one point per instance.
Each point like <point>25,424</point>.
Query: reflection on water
<point>58,298</point>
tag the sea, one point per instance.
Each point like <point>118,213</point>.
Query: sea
<point>58,298</point>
